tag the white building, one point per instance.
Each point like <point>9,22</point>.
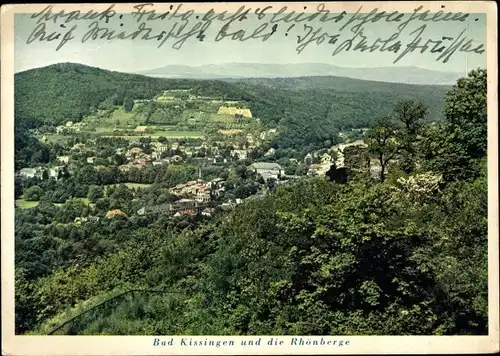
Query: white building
<point>242,154</point>
<point>31,173</point>
<point>63,159</point>
<point>270,152</point>
<point>162,148</point>
<point>54,172</point>
<point>203,196</point>
<point>268,170</point>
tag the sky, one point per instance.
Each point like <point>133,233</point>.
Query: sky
<point>137,55</point>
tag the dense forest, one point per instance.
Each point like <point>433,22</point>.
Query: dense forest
<point>59,92</point>
<point>401,254</point>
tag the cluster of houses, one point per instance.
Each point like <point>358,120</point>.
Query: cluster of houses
<point>196,194</point>
<point>199,190</point>
<point>136,159</point>
<point>163,153</point>
<point>182,207</point>
<point>84,219</point>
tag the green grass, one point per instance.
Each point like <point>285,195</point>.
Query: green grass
<point>24,204</point>
<point>101,129</point>
<point>132,185</point>
<point>54,138</point>
<point>85,201</point>
<point>125,118</point>
<point>162,127</point>
<point>167,134</point>
<point>107,124</point>
<point>138,185</point>
<point>178,134</point>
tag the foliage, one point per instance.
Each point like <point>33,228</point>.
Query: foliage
<point>420,188</point>
<point>382,142</point>
<point>455,147</point>
<point>412,116</point>
<point>405,255</point>
<point>33,193</point>
<point>67,91</point>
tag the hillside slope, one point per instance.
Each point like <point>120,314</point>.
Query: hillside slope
<point>52,94</point>
<point>67,91</point>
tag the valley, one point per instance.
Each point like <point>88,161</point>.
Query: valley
<point>248,206</point>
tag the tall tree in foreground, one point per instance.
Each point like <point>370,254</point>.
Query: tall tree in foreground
<point>411,114</point>
<point>456,147</point>
<point>381,142</point>
<point>465,110</point>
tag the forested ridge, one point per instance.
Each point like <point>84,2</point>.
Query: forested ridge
<point>67,91</point>
<point>404,253</point>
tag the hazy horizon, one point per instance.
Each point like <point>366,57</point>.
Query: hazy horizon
<point>226,63</point>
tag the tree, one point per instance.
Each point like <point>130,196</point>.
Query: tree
<point>87,175</point>
<point>128,104</point>
<point>302,169</point>
<point>119,159</point>
<point>411,115</point>
<point>466,112</point>
<point>95,193</point>
<point>381,142</point>
<point>33,193</point>
<point>24,294</point>
<point>103,204</point>
<point>122,192</point>
<point>65,172</point>
<point>241,171</point>
<point>455,148</point>
<point>18,187</point>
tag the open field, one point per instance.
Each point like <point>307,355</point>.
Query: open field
<point>119,117</point>
<point>24,204</point>
<point>53,138</point>
<point>133,185</point>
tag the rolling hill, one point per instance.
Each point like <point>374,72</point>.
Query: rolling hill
<point>408,75</point>
<point>67,91</point>
<point>52,94</point>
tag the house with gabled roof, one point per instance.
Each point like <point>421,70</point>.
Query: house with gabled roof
<point>268,169</point>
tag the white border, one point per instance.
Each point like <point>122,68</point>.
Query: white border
<point>142,345</point>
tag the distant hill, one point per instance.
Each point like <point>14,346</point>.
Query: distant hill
<point>52,94</point>
<point>307,110</point>
<point>341,84</point>
<point>408,75</point>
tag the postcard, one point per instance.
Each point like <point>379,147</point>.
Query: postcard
<point>249,178</point>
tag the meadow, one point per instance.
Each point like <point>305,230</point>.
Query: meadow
<point>25,204</point>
